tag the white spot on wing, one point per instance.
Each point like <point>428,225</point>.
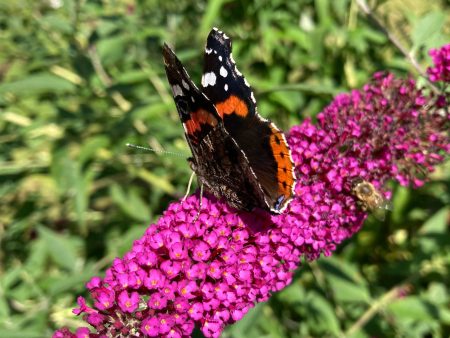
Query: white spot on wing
<point>209,79</point>
<point>225,87</point>
<point>253,98</point>
<point>185,85</point>
<point>208,50</point>
<point>177,91</point>
<point>246,82</point>
<point>220,58</point>
<point>192,99</point>
<point>223,71</point>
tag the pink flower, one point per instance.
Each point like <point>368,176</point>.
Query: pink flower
<point>177,251</point>
<point>157,301</point>
<point>441,60</point>
<point>95,319</point>
<point>128,303</point>
<point>150,327</point>
<point>83,308</point>
<point>196,311</point>
<point>154,280</point>
<point>201,251</point>
<point>104,298</point>
<point>95,282</point>
<point>82,332</point>
<point>64,333</point>
<point>166,323</point>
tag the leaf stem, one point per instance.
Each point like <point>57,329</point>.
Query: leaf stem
<point>368,11</point>
<point>375,308</point>
<point>427,267</point>
<point>106,80</point>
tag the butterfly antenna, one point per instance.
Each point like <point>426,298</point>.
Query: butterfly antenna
<point>129,145</point>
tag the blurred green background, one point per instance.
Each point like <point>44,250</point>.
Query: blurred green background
<point>80,79</point>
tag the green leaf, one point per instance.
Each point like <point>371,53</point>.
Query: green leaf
<point>57,23</point>
<point>437,293</point>
<point>210,16</point>
<point>433,233</point>
<point>159,182</point>
<point>132,77</point>
<point>345,281</point>
<point>323,315</point>
<point>14,333</point>
<point>10,277</point>
<point>90,148</point>
<point>241,328</point>
<point>112,49</point>
<point>130,203</point>
<point>62,249</point>
<point>426,27</point>
<point>37,258</point>
<point>37,84</point>
<point>126,239</point>
<point>65,171</point>
<point>293,294</point>
<point>413,308</point>
<point>436,224</point>
<point>284,99</point>
<point>346,291</point>
<point>82,185</point>
<point>399,201</point>
<point>70,282</point>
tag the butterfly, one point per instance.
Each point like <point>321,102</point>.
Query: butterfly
<point>237,155</point>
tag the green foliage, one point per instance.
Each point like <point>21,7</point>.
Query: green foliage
<point>80,79</point>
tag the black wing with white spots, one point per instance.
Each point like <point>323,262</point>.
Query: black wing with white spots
<point>261,141</point>
<point>221,79</point>
<point>197,113</point>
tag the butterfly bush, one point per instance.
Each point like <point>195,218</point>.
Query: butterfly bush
<point>441,60</point>
<point>209,272</point>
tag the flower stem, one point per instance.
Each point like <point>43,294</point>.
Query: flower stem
<point>368,11</point>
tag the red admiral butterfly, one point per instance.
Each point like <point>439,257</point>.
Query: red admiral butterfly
<point>237,154</point>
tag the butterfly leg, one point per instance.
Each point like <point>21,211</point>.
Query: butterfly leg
<point>189,186</point>
<point>199,204</point>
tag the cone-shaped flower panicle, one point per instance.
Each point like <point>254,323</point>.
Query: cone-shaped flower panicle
<point>208,272</point>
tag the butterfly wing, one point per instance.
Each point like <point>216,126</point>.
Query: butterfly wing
<point>197,114</point>
<point>217,160</point>
<point>262,142</point>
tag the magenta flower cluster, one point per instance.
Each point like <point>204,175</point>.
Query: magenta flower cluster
<point>208,272</point>
<point>390,129</point>
<point>441,60</point>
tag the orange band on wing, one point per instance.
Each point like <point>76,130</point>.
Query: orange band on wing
<point>232,105</point>
<point>281,152</point>
<point>198,118</point>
